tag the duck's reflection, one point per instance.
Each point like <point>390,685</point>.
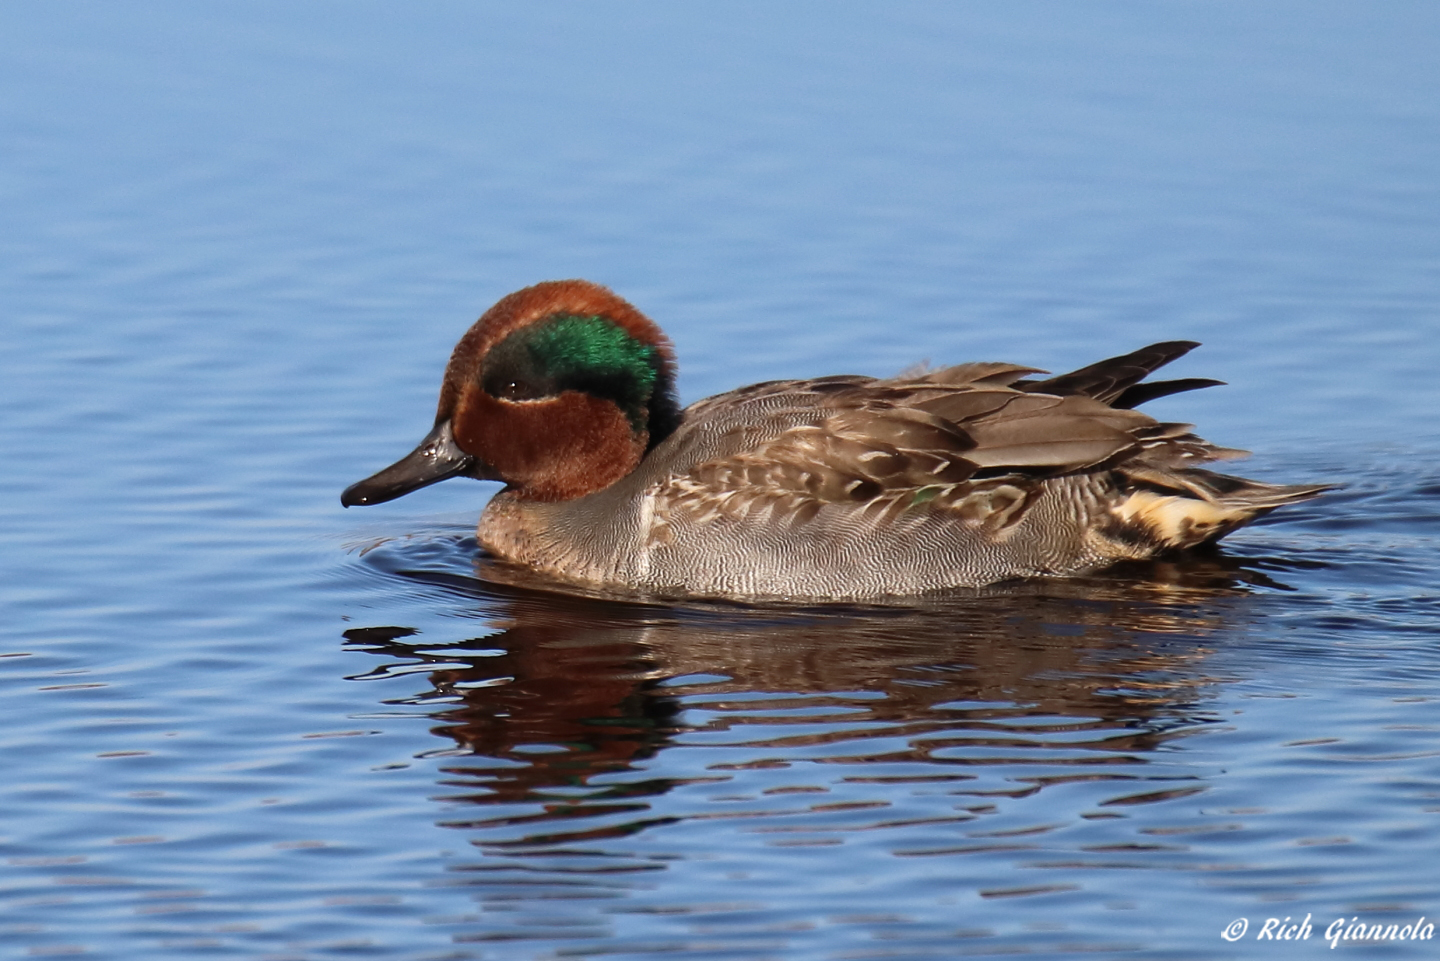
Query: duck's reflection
<point>1067,675</point>
<point>717,780</point>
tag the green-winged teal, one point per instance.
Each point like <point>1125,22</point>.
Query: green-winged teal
<point>833,488</point>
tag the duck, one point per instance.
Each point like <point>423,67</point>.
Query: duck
<point>838,488</point>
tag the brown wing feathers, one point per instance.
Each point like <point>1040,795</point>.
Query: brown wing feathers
<point>975,439</point>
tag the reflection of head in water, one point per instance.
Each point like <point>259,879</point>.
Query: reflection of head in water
<point>569,688</point>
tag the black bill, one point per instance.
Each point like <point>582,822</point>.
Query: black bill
<point>437,458</point>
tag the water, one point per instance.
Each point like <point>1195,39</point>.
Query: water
<point>238,244</point>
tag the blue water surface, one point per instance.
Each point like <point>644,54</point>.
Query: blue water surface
<point>238,242</point>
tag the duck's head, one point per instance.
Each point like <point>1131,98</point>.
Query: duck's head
<point>558,390</point>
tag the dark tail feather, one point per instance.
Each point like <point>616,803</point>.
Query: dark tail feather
<point>1132,397</point>
<point>1109,379</point>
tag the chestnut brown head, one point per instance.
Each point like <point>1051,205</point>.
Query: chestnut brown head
<point>559,390</point>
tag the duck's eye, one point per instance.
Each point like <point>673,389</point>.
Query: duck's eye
<point>518,390</point>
